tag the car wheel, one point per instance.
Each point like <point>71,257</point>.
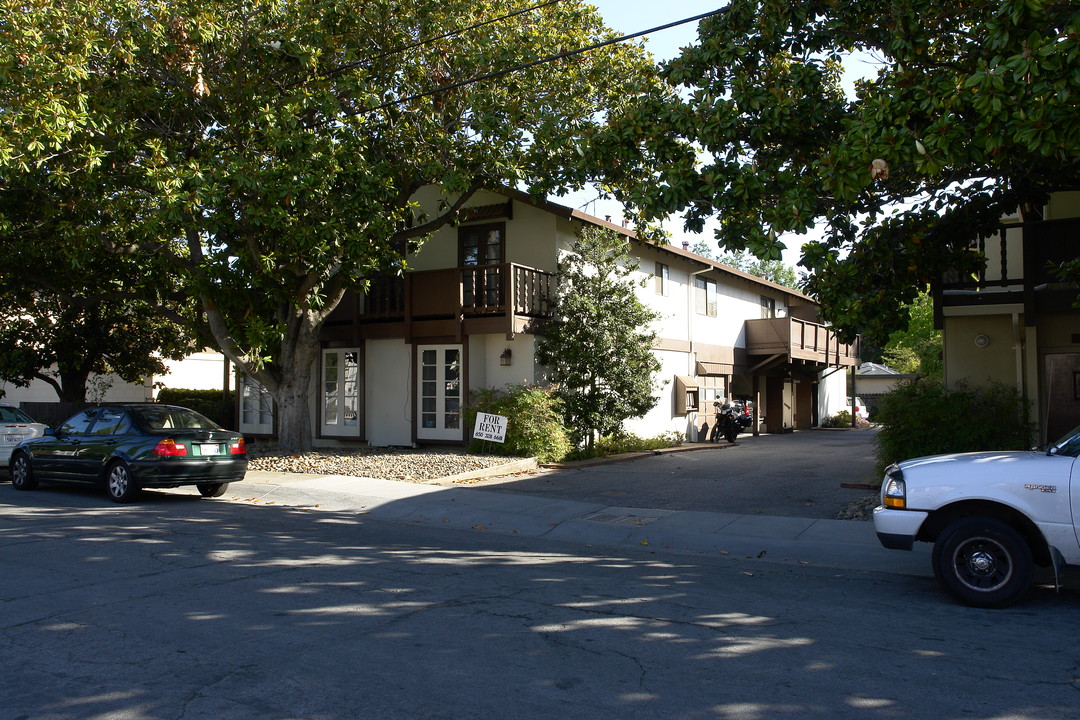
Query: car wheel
<point>120,484</point>
<point>22,472</point>
<point>983,562</point>
<point>212,489</point>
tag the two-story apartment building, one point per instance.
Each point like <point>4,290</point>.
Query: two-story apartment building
<point>399,361</point>
<point>1016,323</point>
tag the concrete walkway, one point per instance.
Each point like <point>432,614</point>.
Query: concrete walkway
<point>840,544</point>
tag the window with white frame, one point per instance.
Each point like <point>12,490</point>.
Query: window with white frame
<point>768,307</point>
<point>663,286</point>
<point>256,406</point>
<point>341,391</point>
<point>705,296</point>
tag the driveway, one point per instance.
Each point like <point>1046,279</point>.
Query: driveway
<point>794,475</point>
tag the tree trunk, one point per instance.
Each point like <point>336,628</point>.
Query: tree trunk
<point>293,411</point>
<point>72,387</point>
<point>288,377</point>
<point>299,351</point>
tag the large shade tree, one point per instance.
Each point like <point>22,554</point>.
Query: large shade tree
<point>63,321</point>
<point>972,114</point>
<point>270,150</point>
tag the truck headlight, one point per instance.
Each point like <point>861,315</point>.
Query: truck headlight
<point>894,489</point>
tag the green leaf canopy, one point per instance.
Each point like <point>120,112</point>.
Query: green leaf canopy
<point>270,150</point>
<point>971,115</point>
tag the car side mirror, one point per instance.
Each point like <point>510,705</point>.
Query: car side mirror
<point>49,432</point>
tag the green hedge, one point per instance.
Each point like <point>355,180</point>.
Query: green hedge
<point>534,422</point>
<point>204,402</point>
<point>923,417</point>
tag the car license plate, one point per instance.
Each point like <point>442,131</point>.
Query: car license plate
<point>13,439</point>
<point>210,449</point>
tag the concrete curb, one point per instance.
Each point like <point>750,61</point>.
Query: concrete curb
<point>841,544</point>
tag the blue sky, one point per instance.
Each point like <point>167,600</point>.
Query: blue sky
<point>631,16</point>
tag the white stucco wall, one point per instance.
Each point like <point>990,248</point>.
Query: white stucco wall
<point>832,392</point>
<point>662,417</point>
<point>388,381</point>
<point>198,371</point>
<point>40,391</point>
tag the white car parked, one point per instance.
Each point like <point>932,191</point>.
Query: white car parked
<point>16,426</point>
<point>861,411</point>
<point>992,516</point>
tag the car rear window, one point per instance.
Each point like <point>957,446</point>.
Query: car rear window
<point>168,419</point>
<point>14,415</point>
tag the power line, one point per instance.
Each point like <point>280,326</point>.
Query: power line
<point>534,63</point>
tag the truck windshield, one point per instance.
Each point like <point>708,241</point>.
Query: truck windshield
<point>1069,446</point>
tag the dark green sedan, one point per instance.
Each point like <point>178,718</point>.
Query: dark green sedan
<point>126,447</point>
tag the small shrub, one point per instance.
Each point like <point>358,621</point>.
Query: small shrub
<point>626,442</point>
<point>842,419</point>
<point>205,402</point>
<point>534,422</point>
<point>923,417</point>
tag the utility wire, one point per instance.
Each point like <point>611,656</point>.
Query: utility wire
<point>534,63</point>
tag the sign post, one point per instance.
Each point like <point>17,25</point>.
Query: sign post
<point>490,427</point>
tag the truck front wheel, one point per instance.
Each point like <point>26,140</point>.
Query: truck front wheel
<point>983,562</point>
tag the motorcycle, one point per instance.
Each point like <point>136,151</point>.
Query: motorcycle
<point>731,419</point>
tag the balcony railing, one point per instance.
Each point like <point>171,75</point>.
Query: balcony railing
<point>1017,256</point>
<point>463,291</point>
<point>799,340</point>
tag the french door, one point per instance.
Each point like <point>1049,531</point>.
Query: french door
<point>438,392</point>
<point>340,412</point>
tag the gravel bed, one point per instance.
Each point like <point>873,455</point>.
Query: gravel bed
<point>860,509</point>
<point>382,463</point>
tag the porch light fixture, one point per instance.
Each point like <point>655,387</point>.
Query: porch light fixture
<point>981,341</point>
<point>506,356</point>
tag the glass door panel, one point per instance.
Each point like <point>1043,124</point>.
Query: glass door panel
<point>439,391</point>
<point>341,392</point>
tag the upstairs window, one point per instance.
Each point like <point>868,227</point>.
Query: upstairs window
<point>705,296</point>
<point>662,280</point>
<point>768,308</point>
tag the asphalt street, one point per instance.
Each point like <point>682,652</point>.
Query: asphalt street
<point>792,475</point>
<point>179,608</point>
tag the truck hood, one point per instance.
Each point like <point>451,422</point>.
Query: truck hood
<point>995,458</point>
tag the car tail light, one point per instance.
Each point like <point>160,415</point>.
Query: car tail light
<point>238,448</point>
<point>169,448</point>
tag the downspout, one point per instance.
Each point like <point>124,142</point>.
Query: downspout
<point>691,369</point>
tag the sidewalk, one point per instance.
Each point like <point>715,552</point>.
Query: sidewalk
<point>841,544</point>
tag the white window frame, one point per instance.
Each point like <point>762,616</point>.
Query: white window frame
<point>439,385</point>
<point>705,296</point>
<point>663,279</point>
<point>340,393</point>
<point>256,406</point>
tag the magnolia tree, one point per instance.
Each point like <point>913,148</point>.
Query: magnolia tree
<point>971,115</point>
<point>269,151</point>
<point>598,348</point>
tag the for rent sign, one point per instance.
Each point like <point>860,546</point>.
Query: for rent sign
<point>490,427</point>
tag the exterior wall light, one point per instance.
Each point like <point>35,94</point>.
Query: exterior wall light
<point>506,357</point>
<point>981,341</point>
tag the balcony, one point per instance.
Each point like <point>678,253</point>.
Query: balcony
<point>453,302</point>
<point>790,339</point>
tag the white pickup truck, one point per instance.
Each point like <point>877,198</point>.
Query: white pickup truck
<point>992,516</point>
